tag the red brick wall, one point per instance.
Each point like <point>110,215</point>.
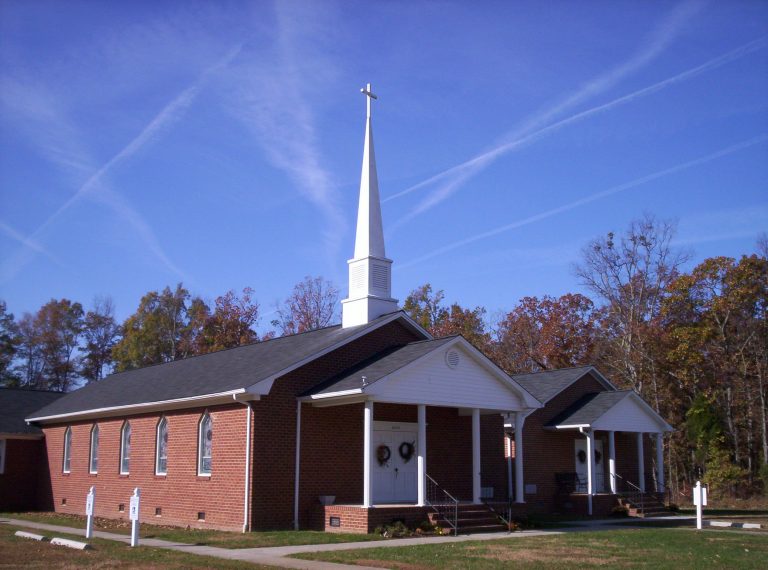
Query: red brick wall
<point>23,482</point>
<point>331,437</point>
<point>181,494</point>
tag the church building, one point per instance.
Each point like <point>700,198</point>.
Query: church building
<point>350,426</point>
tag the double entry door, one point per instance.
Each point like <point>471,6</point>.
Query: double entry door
<point>580,457</point>
<point>394,471</point>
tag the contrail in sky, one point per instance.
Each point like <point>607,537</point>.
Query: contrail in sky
<point>592,197</point>
<point>465,170</point>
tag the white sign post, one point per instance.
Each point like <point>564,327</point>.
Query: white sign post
<point>89,500</point>
<point>700,500</point>
<point>134,516</point>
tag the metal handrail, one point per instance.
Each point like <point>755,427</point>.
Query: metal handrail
<point>506,517</point>
<point>443,503</point>
<point>634,490</point>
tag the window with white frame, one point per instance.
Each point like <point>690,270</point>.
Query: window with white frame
<point>67,450</point>
<point>2,456</point>
<point>125,449</point>
<point>161,453</point>
<point>205,445</point>
<point>94,457</point>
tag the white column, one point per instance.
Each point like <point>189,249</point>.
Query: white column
<point>590,468</point>
<point>640,462</point>
<point>367,442</point>
<point>612,460</point>
<point>508,446</point>
<point>519,484</point>
<point>476,483</point>
<point>422,457</point>
<point>297,476</point>
<point>660,462</point>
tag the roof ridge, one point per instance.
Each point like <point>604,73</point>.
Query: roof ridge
<point>553,370</point>
<point>254,343</point>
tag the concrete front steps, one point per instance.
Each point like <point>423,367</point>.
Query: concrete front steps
<point>473,519</point>
<point>651,506</point>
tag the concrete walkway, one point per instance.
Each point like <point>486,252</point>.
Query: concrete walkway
<point>277,555</point>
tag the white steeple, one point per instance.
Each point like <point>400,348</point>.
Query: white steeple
<point>370,272</point>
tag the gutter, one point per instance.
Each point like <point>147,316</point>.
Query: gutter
<point>188,402</point>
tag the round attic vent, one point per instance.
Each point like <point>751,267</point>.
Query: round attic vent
<point>452,358</point>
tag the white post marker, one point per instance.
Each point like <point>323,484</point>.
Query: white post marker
<point>89,500</point>
<point>700,500</point>
<point>134,515</point>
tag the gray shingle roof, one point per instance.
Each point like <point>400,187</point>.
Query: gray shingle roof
<point>547,384</point>
<point>214,373</point>
<point>15,405</point>
<point>378,366</point>
<point>588,409</point>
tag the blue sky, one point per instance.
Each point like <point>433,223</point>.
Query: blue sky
<point>219,143</point>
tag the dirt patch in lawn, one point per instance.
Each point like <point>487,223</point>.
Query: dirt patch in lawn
<point>502,553</point>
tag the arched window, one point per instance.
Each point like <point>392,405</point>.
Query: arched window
<point>205,445</point>
<point>125,449</point>
<point>67,450</point>
<point>161,450</point>
<point>94,457</point>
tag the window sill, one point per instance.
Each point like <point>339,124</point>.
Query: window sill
<point>204,477</point>
<point>161,475</point>
<point>124,475</point>
<point>93,473</point>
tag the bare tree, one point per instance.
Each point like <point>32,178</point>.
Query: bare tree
<point>630,274</point>
<point>100,333</point>
<point>312,305</point>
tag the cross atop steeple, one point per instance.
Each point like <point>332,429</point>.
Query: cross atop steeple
<point>369,93</point>
<point>370,282</point>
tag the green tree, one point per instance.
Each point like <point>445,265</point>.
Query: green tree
<point>160,330</point>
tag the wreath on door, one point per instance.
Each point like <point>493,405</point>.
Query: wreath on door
<point>582,455</point>
<point>383,453</point>
<point>406,450</point>
<point>598,456</point>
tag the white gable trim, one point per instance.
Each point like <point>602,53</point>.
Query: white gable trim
<point>262,387</point>
<point>379,390</point>
<point>626,423</point>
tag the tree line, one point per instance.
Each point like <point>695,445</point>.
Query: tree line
<point>694,344</point>
<point>63,345</point>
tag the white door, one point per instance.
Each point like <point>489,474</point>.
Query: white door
<point>580,456</point>
<point>394,470</point>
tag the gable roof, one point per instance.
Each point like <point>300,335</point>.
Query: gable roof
<point>547,384</point>
<point>377,367</point>
<point>590,409</point>
<point>222,374</point>
<point>388,367</point>
<point>16,404</point>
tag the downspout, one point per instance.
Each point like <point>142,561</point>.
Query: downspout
<point>298,468</point>
<point>246,494</point>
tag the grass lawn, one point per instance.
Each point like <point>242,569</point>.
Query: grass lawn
<point>201,537</point>
<point>643,548</point>
<point>18,552</point>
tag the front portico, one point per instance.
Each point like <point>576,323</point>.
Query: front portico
<point>432,414</point>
